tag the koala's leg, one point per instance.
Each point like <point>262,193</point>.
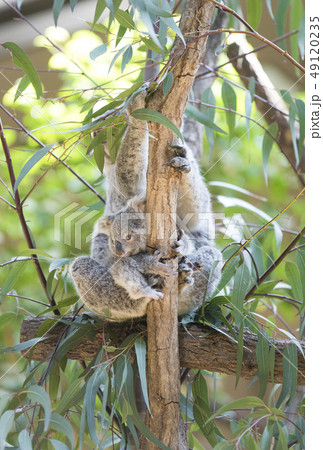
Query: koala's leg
<point>194,206</point>
<point>127,274</point>
<point>132,158</point>
<point>206,279</point>
<point>97,289</point>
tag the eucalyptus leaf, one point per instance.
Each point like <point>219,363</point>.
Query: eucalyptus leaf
<point>140,347</point>
<point>21,60</point>
<point>37,156</point>
<point>57,8</point>
<point>154,116</point>
<point>38,394</point>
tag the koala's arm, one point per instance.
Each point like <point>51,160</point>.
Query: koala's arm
<point>194,207</point>
<point>132,158</point>
<point>201,284</point>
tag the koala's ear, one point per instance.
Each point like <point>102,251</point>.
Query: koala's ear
<point>103,225</point>
<point>138,204</point>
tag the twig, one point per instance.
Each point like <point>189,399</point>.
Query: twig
<point>28,298</point>
<point>255,50</point>
<point>276,262</point>
<point>24,226</point>
<point>56,157</point>
<point>264,227</point>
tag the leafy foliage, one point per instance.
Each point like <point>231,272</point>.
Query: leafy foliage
<point>64,404</point>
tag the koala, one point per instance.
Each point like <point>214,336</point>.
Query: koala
<point>126,178</point>
<point>120,279</point>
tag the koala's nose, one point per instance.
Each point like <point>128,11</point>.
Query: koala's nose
<point>119,247</point>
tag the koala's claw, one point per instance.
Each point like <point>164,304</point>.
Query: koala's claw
<point>179,164</point>
<point>178,150</point>
<point>157,295</point>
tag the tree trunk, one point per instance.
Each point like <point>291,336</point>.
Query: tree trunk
<point>163,369</point>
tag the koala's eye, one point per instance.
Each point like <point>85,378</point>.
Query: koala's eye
<point>128,237</point>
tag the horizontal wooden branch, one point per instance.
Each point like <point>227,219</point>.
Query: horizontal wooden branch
<point>200,348</point>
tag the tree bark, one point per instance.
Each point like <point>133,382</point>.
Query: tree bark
<point>199,348</point>
<point>163,370</point>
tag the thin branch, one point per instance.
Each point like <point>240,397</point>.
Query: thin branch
<point>264,227</point>
<point>276,263</point>
<point>255,50</point>
<point>22,219</point>
<point>28,298</point>
<point>8,203</point>
<point>82,180</point>
<point>254,33</point>
<point>15,260</point>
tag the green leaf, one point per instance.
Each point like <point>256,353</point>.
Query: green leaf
<point>254,12</point>
<point>73,4</point>
<point>12,278</point>
<point>229,99</point>
<point>230,202</point>
<point>267,145</point>
<point>140,347</point>
<point>167,83</point>
<point>98,51</point>
<point>7,318</point>
<point>126,58</point>
<point>73,395</point>
<point>62,304</point>
<point>270,10</point>
<point>151,7</point>
<point>239,353</point>
<point>92,387</point>
<point>116,56</point>
<point>59,263</point>
<point>248,102</point>
<point>100,7</point>
<point>125,19</point>
<point>266,287</point>
<point>290,364</point>
<point>240,289</point>
<point>37,156</point>
<point>57,8</point>
<point>6,422</point>
<point>195,114</point>
<point>21,60</point>
<point>229,271</point>
<point>242,403</point>
<point>236,188</point>
<point>58,423</point>
<point>38,394</point>
<point>151,45</point>
<point>281,19</point>
<point>300,108</point>
<point>262,352</point>
<point>99,157</point>
<point>151,115</point>
<point>23,84</point>
<point>201,410</point>
<point>282,442</point>
<point>301,37</point>
<point>58,445</point>
<point>25,440</point>
<point>296,15</point>
<point>294,279</point>
<point>170,22</point>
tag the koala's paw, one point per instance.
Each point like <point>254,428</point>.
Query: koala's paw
<point>160,268</point>
<point>178,150</point>
<point>179,164</point>
<point>155,295</point>
<point>180,246</point>
<point>185,274</point>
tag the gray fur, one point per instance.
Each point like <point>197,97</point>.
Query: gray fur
<point>119,279</point>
